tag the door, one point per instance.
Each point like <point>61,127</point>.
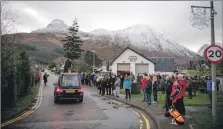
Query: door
<point>123,67</point>
<point>141,68</point>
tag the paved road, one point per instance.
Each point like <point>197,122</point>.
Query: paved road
<point>93,113</point>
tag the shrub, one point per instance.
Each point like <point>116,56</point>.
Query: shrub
<point>16,74</point>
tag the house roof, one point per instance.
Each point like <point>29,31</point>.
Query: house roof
<point>133,51</point>
<point>163,64</point>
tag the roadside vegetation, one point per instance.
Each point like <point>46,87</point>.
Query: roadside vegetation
<point>17,72</point>
<point>18,80</point>
<point>219,72</point>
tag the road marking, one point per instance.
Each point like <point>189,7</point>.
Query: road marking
<point>140,120</point>
<point>141,123</point>
<point>18,118</point>
<point>191,126</point>
<point>147,121</point>
<point>37,105</point>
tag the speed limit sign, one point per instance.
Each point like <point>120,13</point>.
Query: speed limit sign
<point>214,54</point>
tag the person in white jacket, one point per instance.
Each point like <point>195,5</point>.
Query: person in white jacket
<point>117,84</point>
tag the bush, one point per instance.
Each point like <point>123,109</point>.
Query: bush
<point>9,76</point>
<point>16,74</point>
<point>52,65</point>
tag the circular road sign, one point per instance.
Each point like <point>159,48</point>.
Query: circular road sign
<point>214,54</point>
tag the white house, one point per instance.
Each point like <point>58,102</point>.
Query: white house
<point>131,61</point>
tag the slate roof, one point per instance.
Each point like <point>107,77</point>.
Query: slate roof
<point>163,64</point>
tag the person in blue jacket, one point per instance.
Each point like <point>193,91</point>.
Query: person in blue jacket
<point>209,89</point>
<point>127,86</point>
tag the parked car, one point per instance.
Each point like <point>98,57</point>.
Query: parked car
<point>68,87</point>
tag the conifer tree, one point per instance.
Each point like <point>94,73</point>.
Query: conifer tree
<point>72,43</point>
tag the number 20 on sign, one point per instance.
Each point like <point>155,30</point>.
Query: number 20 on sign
<point>214,54</point>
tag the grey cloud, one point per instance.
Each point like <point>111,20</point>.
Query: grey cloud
<point>170,17</point>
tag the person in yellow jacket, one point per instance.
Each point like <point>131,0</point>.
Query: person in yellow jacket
<point>99,78</point>
<point>99,82</point>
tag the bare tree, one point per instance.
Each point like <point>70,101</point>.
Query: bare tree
<point>8,21</point>
<point>8,25</point>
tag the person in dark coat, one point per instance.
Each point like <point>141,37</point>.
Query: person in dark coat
<point>108,88</point>
<point>148,90</point>
<point>122,81</point>
<point>113,78</point>
<point>190,87</point>
<point>159,78</point>
<point>103,85</point>
<point>82,78</point>
<point>168,90</point>
<point>86,79</point>
<point>155,90</point>
<point>100,86</point>
<point>45,78</point>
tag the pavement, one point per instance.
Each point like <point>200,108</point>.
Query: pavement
<point>94,113</point>
<point>156,112</point>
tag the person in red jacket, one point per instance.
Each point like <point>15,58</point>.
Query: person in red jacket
<point>183,83</point>
<point>145,78</point>
<point>37,78</point>
<point>177,96</point>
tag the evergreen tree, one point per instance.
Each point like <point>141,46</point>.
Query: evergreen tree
<point>72,43</point>
<point>67,65</point>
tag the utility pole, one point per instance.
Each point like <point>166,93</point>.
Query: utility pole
<point>213,66</point>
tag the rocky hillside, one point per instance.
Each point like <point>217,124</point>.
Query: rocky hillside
<point>108,44</point>
<point>56,26</point>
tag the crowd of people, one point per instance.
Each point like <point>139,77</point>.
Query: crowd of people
<point>110,84</point>
<point>173,86</point>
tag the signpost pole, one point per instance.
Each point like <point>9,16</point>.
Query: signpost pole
<point>213,66</point>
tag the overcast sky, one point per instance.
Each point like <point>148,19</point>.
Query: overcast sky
<point>169,17</point>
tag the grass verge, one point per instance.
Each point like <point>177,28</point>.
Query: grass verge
<point>204,72</point>
<point>199,100</point>
<point>22,104</point>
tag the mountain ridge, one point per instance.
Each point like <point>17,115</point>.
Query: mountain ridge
<point>108,44</point>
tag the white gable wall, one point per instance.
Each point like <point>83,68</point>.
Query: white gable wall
<point>124,58</point>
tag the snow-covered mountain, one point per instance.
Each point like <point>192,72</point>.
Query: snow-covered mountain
<point>202,49</point>
<point>100,32</point>
<point>56,26</point>
<point>144,37</point>
<point>140,36</point>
